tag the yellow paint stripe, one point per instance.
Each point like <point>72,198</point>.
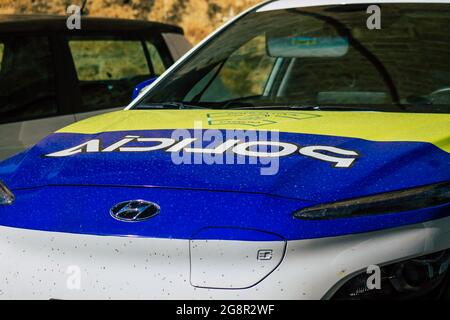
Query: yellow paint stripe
<point>375,126</point>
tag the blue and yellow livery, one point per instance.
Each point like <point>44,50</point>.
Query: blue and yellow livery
<point>386,151</point>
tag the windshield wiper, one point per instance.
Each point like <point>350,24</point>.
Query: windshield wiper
<point>253,105</point>
<point>169,105</point>
<point>236,104</point>
<point>306,107</point>
<point>246,105</point>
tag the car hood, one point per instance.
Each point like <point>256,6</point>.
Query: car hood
<point>378,152</point>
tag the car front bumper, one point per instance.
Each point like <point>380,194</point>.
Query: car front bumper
<point>50,265</point>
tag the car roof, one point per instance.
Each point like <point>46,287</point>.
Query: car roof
<point>287,4</point>
<point>42,23</point>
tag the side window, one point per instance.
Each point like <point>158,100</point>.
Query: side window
<point>108,69</point>
<point>27,79</point>
<point>243,74</point>
<point>155,58</point>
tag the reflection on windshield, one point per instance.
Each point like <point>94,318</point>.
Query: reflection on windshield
<point>320,58</point>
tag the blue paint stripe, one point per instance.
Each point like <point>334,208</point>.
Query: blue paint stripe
<point>301,181</point>
<point>184,214</point>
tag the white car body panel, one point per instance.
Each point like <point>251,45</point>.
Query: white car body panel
<point>46,265</point>
<point>211,266</point>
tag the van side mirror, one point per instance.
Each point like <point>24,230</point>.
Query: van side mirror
<point>141,86</point>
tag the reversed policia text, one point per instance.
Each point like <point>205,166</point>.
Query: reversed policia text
<point>212,147</point>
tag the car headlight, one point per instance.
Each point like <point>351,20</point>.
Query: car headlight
<point>419,277</point>
<point>6,196</point>
<point>397,201</point>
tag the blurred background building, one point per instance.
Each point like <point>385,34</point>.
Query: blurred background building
<point>197,17</point>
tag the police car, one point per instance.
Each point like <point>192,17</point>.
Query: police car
<point>302,151</point>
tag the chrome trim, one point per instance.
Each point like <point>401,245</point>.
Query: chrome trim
<point>134,211</point>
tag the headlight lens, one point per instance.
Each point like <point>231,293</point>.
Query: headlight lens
<point>418,277</point>
<point>398,201</point>
<point>6,196</point>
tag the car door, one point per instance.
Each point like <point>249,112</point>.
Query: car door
<point>28,97</point>
<point>108,68</point>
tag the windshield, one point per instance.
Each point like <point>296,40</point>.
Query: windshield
<point>319,58</point>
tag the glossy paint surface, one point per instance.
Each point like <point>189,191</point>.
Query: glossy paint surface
<point>380,167</point>
<point>74,194</point>
<point>184,214</point>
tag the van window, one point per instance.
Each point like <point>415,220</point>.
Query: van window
<point>27,79</point>
<point>104,60</point>
<point>108,69</point>
<point>155,57</point>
